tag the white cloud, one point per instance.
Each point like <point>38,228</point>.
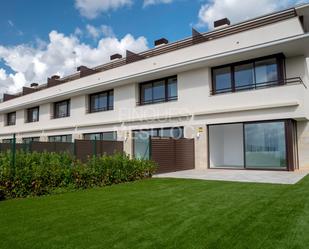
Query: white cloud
<point>238,10</point>
<point>154,2</point>
<point>78,32</point>
<point>96,32</point>
<point>93,31</point>
<point>92,8</point>
<point>60,55</point>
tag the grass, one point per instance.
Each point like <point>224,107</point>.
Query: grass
<point>162,213</point>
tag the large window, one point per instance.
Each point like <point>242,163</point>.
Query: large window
<point>62,109</point>
<point>252,145</point>
<point>33,114</point>
<point>60,138</point>
<point>157,91</point>
<point>265,145</point>
<point>257,73</point>
<point>107,136</point>
<point>102,101</point>
<point>11,118</point>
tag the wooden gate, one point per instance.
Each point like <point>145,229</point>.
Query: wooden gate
<point>172,154</point>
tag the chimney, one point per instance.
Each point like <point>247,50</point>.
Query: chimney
<point>160,42</point>
<point>53,81</point>
<point>7,97</point>
<point>55,77</point>
<point>115,57</point>
<point>222,23</point>
<point>34,85</point>
<point>85,71</point>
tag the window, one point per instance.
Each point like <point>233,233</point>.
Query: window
<point>60,138</point>
<point>266,71</point>
<point>257,73</point>
<point>222,78</point>
<point>33,114</point>
<point>265,145</point>
<point>252,145</point>
<point>102,101</point>
<point>107,136</point>
<point>7,140</point>
<point>244,76</point>
<point>157,91</point>
<point>62,109</point>
<point>11,118</point>
<point>28,140</point>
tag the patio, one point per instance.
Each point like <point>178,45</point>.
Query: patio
<point>255,176</point>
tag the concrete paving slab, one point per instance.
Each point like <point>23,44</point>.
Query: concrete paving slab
<point>255,176</point>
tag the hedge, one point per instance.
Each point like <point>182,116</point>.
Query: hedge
<point>40,173</point>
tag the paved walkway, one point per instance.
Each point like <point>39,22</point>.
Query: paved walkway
<point>276,177</point>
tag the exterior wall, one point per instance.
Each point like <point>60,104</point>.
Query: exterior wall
<point>161,65</point>
<point>303,144</point>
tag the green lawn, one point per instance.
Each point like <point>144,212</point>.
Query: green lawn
<point>162,213</point>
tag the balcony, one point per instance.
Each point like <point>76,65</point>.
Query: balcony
<point>262,85</point>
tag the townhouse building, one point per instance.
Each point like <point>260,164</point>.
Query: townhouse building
<point>240,91</point>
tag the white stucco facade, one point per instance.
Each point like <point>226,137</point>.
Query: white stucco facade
<point>195,107</point>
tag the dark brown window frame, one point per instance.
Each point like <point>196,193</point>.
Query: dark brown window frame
<point>280,61</point>
<point>68,112</point>
<point>290,129</point>
<point>61,136</point>
<point>30,120</point>
<point>101,135</point>
<point>8,122</point>
<point>109,108</point>
<point>30,139</point>
<point>155,101</point>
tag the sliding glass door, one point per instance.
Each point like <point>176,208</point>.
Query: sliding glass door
<point>226,146</point>
<point>265,145</point>
<point>252,145</point>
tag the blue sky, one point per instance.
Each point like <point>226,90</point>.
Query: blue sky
<point>34,19</point>
<point>41,38</point>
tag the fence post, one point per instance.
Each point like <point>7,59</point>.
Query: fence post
<point>94,146</point>
<point>13,161</point>
<point>149,148</point>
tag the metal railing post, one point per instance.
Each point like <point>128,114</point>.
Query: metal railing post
<point>13,152</point>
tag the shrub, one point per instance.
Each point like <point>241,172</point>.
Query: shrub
<point>41,173</point>
<point>2,195</point>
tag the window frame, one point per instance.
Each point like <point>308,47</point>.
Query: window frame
<point>291,143</point>
<point>166,97</point>
<point>281,73</point>
<point>28,120</point>
<point>27,140</point>
<point>109,108</point>
<point>101,134</point>
<point>8,123</point>
<point>61,136</point>
<point>68,106</point>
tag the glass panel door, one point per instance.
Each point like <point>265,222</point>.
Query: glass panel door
<point>226,147</point>
<point>265,145</point>
<point>141,144</point>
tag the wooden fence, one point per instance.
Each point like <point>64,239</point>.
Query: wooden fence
<point>82,149</point>
<point>172,154</point>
